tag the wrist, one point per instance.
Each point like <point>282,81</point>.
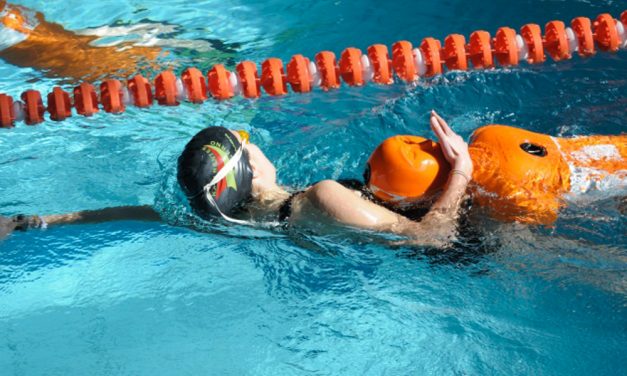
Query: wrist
<point>27,222</point>
<point>463,176</point>
<point>463,166</point>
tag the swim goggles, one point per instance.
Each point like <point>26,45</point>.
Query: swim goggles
<point>221,174</point>
<point>244,135</point>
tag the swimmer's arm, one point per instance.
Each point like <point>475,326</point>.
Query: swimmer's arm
<point>439,226</point>
<point>121,213</point>
<point>330,200</point>
<point>28,222</point>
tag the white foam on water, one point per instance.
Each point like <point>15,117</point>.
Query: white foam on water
<point>586,179</point>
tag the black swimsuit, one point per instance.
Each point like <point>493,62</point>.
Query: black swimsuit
<point>285,211</point>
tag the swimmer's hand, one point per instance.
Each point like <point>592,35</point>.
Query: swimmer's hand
<point>441,222</point>
<point>18,223</point>
<point>453,146</point>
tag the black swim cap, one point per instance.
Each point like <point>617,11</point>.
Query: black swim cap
<point>206,154</point>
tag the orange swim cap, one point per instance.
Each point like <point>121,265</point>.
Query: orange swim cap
<point>405,168</point>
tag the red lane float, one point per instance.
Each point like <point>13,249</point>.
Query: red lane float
<point>247,71</point>
<point>505,47</point>
<point>85,99</point>
<point>403,61</point>
<point>112,97</point>
<point>380,60</point>
<point>165,89</point>
<point>194,84</point>
<point>430,49</point>
<point>33,106</point>
<point>298,74</point>
<point>354,68</point>
<point>351,70</point>
<point>480,50</point>
<point>455,52</point>
<point>555,41</point>
<point>7,114</point>
<point>582,27</point>
<point>532,35</point>
<point>273,77</point>
<point>218,79</point>
<point>605,33</point>
<point>59,105</point>
<point>140,91</point>
<point>329,71</point>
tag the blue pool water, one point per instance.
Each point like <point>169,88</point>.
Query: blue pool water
<point>133,298</point>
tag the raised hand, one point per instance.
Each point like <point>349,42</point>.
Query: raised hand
<point>453,146</point>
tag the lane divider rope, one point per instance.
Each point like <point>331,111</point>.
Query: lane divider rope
<point>507,48</point>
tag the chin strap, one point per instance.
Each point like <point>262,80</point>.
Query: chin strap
<point>228,167</point>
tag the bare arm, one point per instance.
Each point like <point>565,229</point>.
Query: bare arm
<point>441,220</point>
<point>121,213</point>
<point>23,222</point>
<point>330,200</point>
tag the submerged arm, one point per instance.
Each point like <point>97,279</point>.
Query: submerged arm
<point>121,213</point>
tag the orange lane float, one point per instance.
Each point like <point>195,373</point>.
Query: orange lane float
<point>355,68</point>
<point>85,100</point>
<point>33,107</point>
<point>140,91</point>
<point>273,78</point>
<point>298,74</point>
<point>518,176</point>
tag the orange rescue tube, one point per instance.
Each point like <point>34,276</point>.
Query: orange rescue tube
<point>404,169</point>
<point>523,176</point>
<point>518,175</point>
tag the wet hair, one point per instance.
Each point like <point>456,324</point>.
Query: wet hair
<point>206,154</point>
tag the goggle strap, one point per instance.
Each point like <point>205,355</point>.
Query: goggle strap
<point>226,217</point>
<point>228,166</point>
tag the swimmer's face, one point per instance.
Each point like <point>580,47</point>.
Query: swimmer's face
<point>264,172</point>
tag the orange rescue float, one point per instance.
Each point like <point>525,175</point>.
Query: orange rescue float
<point>518,175</point>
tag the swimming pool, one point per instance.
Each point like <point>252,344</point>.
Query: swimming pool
<point>143,298</point>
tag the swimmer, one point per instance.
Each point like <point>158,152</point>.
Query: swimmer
<point>28,40</point>
<point>225,176</point>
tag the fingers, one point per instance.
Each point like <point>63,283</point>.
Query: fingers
<point>443,123</point>
<point>437,129</point>
<point>442,137</point>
